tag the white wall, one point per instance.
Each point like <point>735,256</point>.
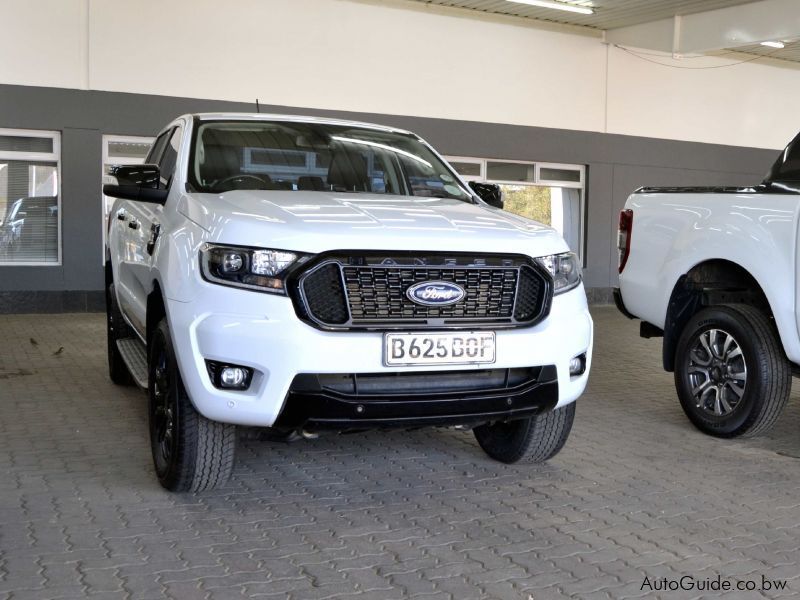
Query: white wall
<point>349,55</point>
<point>744,104</point>
<point>389,57</point>
<point>43,42</point>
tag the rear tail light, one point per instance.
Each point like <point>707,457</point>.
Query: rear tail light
<point>624,237</point>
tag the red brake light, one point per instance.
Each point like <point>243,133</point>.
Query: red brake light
<point>624,237</point>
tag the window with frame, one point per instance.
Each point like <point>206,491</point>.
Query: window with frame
<point>169,158</point>
<point>550,193</point>
<point>30,197</point>
<point>120,150</point>
<point>787,167</point>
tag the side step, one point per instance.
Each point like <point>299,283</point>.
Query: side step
<point>134,353</point>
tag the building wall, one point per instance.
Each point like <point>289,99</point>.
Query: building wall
<point>616,165</point>
<point>393,57</point>
<point>473,85</point>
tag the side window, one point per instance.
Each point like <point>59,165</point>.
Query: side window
<point>170,157</point>
<point>157,148</point>
<point>788,166</point>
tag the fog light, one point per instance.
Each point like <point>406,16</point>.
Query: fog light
<point>229,377</point>
<point>232,377</point>
<point>577,365</point>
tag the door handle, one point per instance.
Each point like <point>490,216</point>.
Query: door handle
<point>133,224</point>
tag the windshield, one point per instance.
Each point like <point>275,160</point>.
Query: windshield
<point>316,157</point>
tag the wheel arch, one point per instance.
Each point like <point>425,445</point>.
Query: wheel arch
<point>156,310</point>
<point>108,277</point>
<point>708,283</point>
<point>108,274</point>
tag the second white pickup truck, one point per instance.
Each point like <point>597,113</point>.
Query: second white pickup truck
<point>714,270</point>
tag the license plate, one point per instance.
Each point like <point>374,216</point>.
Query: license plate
<point>467,348</point>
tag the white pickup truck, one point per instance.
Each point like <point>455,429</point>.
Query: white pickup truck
<point>302,274</point>
<point>714,271</point>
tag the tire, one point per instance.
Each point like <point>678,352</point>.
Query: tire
<point>731,374</point>
<point>116,329</point>
<point>532,440</point>
<point>190,453</point>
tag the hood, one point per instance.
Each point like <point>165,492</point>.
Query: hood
<point>319,221</point>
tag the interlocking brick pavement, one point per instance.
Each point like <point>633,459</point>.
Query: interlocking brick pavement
<point>636,492</point>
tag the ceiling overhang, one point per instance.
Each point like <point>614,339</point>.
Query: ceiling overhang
<point>724,28</point>
<point>672,27</point>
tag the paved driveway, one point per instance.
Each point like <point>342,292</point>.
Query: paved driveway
<point>636,496</point>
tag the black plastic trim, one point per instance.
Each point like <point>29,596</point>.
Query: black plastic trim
<point>683,303</point>
<point>328,409</point>
<point>767,188</point>
<point>648,331</point>
<point>214,368</point>
<point>698,190</point>
<point>620,303</point>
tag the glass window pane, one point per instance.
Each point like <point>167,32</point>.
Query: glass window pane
<point>504,171</point>
<point>316,157</point>
<point>555,206</point>
<point>788,166</point>
<point>550,174</point>
<point>528,201</point>
<point>42,180</point>
<point>18,143</point>
<point>128,150</point>
<point>284,158</point>
<point>169,159</point>
<point>565,209</point>
<point>467,169</point>
<point>157,148</point>
<point>28,211</point>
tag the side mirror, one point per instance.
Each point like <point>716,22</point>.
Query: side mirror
<point>488,192</point>
<point>136,182</point>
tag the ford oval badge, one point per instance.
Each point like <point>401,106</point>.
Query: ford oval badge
<point>435,293</point>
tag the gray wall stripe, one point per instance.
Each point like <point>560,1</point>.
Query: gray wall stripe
<point>617,164</point>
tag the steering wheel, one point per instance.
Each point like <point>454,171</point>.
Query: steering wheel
<point>221,185</point>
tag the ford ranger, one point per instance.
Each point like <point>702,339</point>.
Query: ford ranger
<point>304,274</point>
<point>714,271</point>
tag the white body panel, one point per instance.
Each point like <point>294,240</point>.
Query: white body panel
<point>319,221</point>
<point>262,330</point>
<point>673,232</point>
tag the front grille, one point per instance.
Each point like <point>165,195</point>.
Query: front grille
<point>528,294</point>
<point>369,292</point>
<point>378,294</point>
<point>325,296</point>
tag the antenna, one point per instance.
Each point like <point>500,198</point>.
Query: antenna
<point>258,108</point>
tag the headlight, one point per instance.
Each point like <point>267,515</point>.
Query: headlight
<point>251,268</point>
<point>565,269</point>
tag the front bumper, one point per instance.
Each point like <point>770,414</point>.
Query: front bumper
<point>263,332</point>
